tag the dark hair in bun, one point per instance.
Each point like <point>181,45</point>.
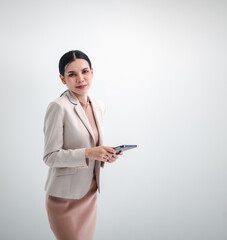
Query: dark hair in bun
<point>70,57</point>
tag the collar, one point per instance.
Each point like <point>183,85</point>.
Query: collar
<point>74,100</point>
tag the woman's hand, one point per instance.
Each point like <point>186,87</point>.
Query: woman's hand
<point>102,153</point>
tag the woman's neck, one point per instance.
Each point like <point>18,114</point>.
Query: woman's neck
<point>82,98</point>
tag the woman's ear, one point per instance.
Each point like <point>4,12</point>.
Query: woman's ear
<point>62,79</point>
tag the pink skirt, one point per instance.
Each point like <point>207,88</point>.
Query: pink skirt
<point>73,219</point>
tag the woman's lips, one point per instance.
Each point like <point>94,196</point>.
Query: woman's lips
<point>81,87</point>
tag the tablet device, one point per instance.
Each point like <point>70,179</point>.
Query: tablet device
<point>124,148</point>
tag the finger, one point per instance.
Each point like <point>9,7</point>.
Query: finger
<point>110,160</point>
<point>114,156</point>
<point>110,149</point>
<point>113,160</point>
<point>120,153</point>
<point>109,155</point>
<point>106,158</point>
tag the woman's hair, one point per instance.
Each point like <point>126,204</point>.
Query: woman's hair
<point>70,57</point>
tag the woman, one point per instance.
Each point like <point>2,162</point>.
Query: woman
<point>73,150</point>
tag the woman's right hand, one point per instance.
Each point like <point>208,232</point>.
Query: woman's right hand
<point>101,153</point>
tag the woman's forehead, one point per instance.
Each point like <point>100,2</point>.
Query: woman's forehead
<point>77,65</point>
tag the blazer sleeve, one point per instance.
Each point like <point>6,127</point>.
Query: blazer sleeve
<point>54,154</point>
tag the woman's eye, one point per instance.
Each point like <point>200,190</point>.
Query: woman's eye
<point>71,74</point>
<point>85,71</point>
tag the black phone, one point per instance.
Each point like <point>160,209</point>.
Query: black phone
<point>122,148</point>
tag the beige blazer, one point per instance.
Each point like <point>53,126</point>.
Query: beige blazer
<point>68,133</point>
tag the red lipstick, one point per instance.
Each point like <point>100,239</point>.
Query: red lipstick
<point>81,87</point>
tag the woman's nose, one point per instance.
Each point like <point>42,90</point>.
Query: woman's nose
<point>80,78</point>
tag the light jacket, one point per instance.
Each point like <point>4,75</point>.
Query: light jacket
<point>68,133</point>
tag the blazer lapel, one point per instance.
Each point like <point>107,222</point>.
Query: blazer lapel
<point>98,115</point>
<point>81,114</point>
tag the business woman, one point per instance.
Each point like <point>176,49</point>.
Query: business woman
<point>74,152</point>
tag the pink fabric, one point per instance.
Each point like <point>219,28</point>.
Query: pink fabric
<point>73,219</point>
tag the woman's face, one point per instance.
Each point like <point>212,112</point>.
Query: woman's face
<point>78,77</point>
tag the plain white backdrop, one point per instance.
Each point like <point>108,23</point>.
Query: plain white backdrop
<point>160,68</point>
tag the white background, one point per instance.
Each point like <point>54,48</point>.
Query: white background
<point>160,68</point>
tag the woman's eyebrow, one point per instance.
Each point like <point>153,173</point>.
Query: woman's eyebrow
<point>74,71</point>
